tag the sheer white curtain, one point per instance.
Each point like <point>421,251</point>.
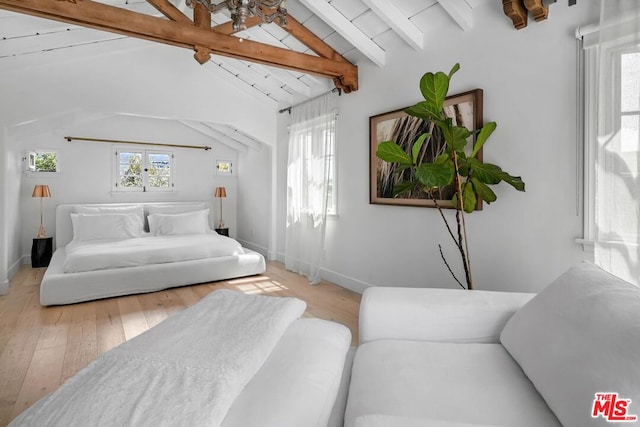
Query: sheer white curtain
<point>617,201</point>
<point>311,139</point>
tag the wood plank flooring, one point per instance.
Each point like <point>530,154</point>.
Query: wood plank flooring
<point>41,347</point>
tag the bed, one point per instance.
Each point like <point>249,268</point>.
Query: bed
<point>101,252</point>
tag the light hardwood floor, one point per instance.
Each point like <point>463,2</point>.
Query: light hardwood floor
<point>41,347</point>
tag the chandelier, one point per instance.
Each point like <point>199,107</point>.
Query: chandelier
<point>267,10</point>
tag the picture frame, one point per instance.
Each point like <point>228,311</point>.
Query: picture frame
<point>464,108</point>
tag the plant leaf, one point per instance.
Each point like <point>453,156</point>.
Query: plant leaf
<point>515,181</point>
<point>435,174</point>
<point>454,70</point>
<point>455,136</point>
<point>483,135</point>
<point>469,199</point>
<point>391,152</point>
<point>486,172</point>
<point>434,88</point>
<point>483,191</point>
<point>415,150</point>
<point>424,110</point>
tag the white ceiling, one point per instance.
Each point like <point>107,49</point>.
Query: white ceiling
<point>360,30</point>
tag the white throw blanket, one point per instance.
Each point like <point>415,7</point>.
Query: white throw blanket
<point>187,371</point>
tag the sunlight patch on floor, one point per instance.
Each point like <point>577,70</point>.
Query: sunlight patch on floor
<point>258,285</point>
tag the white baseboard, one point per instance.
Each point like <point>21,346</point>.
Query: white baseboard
<point>13,269</point>
<point>254,247</point>
<point>347,282</point>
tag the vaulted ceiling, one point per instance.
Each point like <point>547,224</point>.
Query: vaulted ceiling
<point>358,30</point>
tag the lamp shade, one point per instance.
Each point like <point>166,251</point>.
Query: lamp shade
<point>41,191</point>
<point>221,192</point>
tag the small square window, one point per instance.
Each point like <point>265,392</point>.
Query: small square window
<point>43,161</point>
<point>224,167</point>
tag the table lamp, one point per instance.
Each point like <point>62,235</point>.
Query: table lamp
<point>220,193</point>
<point>41,191</point>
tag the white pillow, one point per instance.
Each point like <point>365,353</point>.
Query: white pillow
<point>105,226</point>
<point>579,336</point>
<point>136,209</point>
<point>183,223</point>
<point>175,209</point>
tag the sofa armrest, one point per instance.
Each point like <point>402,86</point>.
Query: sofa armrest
<point>427,314</point>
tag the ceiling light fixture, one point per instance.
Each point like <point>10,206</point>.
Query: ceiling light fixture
<point>267,10</point>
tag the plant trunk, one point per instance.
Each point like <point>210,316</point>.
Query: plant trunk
<point>462,229</point>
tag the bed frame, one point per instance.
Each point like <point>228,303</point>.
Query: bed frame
<point>58,287</point>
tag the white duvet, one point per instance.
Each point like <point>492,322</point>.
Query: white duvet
<point>116,253</point>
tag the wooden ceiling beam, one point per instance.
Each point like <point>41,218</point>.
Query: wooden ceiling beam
<point>539,11</point>
<point>170,11</point>
<point>309,39</point>
<point>100,16</point>
<point>202,19</point>
<point>516,11</point>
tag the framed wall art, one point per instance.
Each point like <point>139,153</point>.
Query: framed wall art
<point>465,109</point>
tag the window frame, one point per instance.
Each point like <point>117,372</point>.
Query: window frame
<point>310,129</point>
<point>30,168</point>
<point>145,187</point>
<point>591,122</point>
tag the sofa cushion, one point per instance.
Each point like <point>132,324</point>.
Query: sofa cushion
<point>579,336</point>
<point>473,383</point>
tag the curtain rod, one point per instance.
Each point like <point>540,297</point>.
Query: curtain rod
<point>335,89</point>
<point>77,138</point>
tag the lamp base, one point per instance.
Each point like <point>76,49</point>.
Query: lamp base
<point>221,224</point>
<point>42,232</point>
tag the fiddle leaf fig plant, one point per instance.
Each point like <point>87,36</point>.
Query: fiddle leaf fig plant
<point>457,166</point>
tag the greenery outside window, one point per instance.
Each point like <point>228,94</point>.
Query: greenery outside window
<point>43,161</point>
<point>143,170</point>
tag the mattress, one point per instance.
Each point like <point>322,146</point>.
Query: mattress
<point>117,253</point>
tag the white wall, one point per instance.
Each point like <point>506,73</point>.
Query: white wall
<point>523,240</point>
<point>86,169</point>
<point>13,216</point>
<point>87,85</point>
<point>4,277</point>
<point>254,199</point>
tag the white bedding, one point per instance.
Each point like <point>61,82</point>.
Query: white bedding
<point>117,253</point>
<point>186,371</point>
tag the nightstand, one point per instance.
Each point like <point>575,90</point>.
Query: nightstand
<point>41,251</point>
<point>223,231</point>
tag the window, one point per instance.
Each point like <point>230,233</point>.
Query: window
<point>319,129</point>
<point>143,170</point>
<point>224,167</point>
<point>618,154</point>
<point>42,161</point>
